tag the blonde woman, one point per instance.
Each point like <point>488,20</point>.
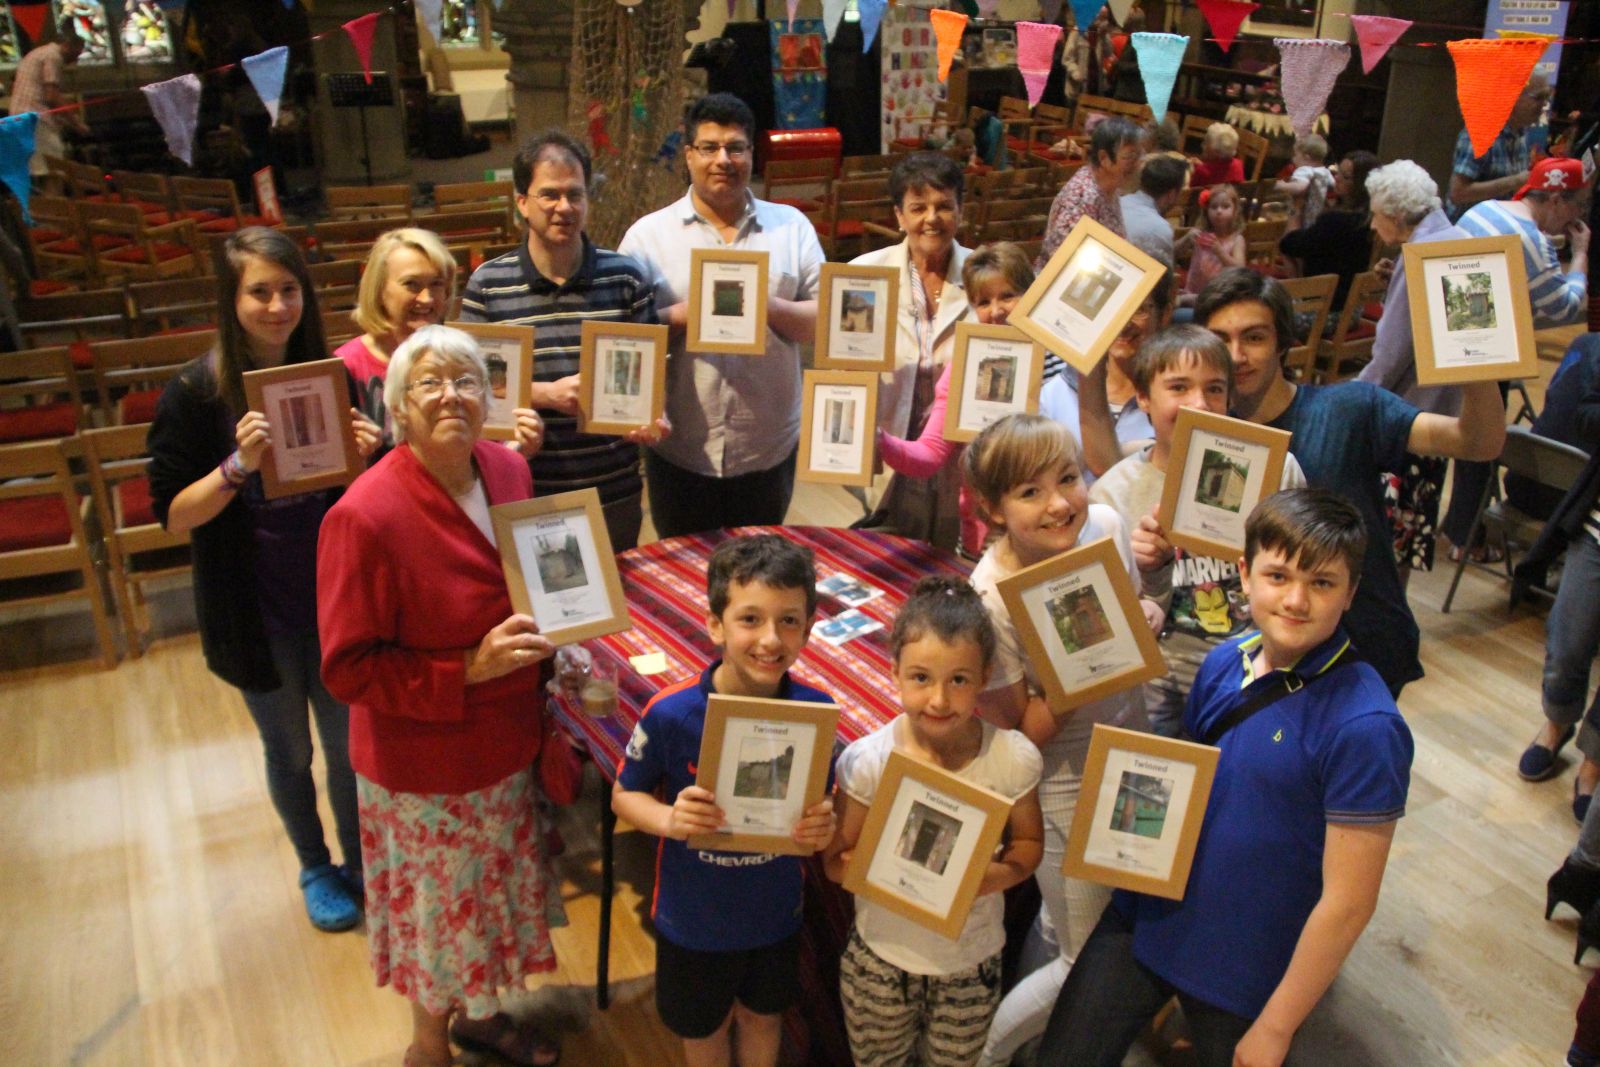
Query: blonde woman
<point>408,282</point>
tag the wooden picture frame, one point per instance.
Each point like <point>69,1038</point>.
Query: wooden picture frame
<point>742,762</point>
<point>1123,833</point>
<point>1471,317</point>
<point>1084,597</point>
<point>1219,470</point>
<point>1086,294</point>
<point>727,302</point>
<point>307,406</point>
<point>508,354</point>
<point>926,843</point>
<point>622,377</point>
<point>857,309</point>
<point>838,427</point>
<point>559,566</point>
<point>995,371</point>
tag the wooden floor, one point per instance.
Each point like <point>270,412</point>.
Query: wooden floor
<point>151,915</point>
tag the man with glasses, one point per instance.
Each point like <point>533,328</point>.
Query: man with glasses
<point>554,282</point>
<point>1501,170</point>
<point>736,419</point>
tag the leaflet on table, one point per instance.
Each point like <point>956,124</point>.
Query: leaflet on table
<point>851,591</point>
<point>846,626</point>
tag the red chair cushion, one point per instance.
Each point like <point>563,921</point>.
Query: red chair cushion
<point>103,242</point>
<point>1373,310</point>
<point>138,406</point>
<point>194,328</point>
<point>845,228</point>
<point>39,422</point>
<point>34,522</point>
<point>1360,330</point>
<point>82,355</point>
<point>45,234</point>
<point>133,496</point>
<point>46,286</point>
<point>1017,144</point>
<point>162,249</point>
<point>800,203</point>
<point>218,225</point>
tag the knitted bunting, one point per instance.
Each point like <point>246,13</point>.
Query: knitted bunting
<point>1160,55</point>
<point>1119,10</point>
<point>1085,11</point>
<point>176,104</point>
<point>947,27</point>
<point>1376,34</point>
<point>30,16</point>
<point>361,31</point>
<point>1036,47</point>
<point>16,146</point>
<point>871,14</point>
<point>265,72</point>
<point>1489,78</point>
<point>987,8</point>
<point>832,12</point>
<point>1225,17</point>
<point>1308,70</point>
<point>794,8</point>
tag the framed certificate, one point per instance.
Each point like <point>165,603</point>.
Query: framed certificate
<point>1086,294</point>
<point>508,353</point>
<point>727,302</point>
<point>559,566</point>
<point>1080,623</point>
<point>856,308</point>
<point>766,761</point>
<point>307,406</point>
<point>927,840</point>
<point>995,371</point>
<point>1471,320</point>
<point>838,426</point>
<point>622,377</point>
<point>1219,470</point>
<point>1139,811</point>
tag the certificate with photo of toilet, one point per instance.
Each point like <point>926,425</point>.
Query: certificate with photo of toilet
<point>1086,294</point>
<point>508,355</point>
<point>307,407</point>
<point>1219,470</point>
<point>995,371</point>
<point>1471,319</point>
<point>838,427</point>
<point>622,377</point>
<point>727,302</point>
<point>856,308</point>
<point>766,761</point>
<point>559,567</point>
<point>926,843</point>
<point>1139,812</point>
<point>1079,621</point>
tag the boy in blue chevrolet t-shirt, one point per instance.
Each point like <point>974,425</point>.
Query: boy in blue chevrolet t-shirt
<point>1297,831</point>
<point>727,923</point>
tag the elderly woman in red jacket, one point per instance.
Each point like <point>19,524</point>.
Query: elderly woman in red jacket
<point>442,680</point>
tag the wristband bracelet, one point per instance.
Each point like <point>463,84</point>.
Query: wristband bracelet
<point>232,470</point>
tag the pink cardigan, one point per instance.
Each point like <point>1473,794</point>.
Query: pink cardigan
<point>925,456</point>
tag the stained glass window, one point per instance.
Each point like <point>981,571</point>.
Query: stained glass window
<point>10,52</point>
<point>458,24</point>
<point>89,19</point>
<point>146,33</point>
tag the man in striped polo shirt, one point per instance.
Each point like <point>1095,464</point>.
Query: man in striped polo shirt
<point>555,282</point>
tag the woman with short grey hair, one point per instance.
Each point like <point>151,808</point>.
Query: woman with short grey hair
<point>1406,210</point>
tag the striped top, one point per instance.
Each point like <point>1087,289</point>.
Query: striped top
<point>1557,298</point>
<point>609,287</point>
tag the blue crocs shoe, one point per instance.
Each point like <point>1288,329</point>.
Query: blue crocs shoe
<point>328,902</point>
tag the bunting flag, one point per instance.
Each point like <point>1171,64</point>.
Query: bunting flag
<point>431,11</point>
<point>265,72</point>
<point>832,12</point>
<point>361,31</point>
<point>1225,17</point>
<point>1036,49</point>
<point>1160,55</point>
<point>31,16</point>
<point>16,146</point>
<point>1376,34</point>
<point>1489,78</point>
<point>947,27</point>
<point>1119,10</point>
<point>871,15</point>
<point>176,104</point>
<point>731,4</point>
<point>1307,72</point>
<point>1085,11</point>
<point>794,9</point>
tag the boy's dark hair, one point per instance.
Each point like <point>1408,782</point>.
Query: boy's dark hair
<point>949,609</point>
<point>1237,284</point>
<point>539,148</point>
<point>775,562</point>
<point>1162,175</point>
<point>1311,526</point>
<point>724,109</point>
<point>1163,350</point>
<point>926,170</point>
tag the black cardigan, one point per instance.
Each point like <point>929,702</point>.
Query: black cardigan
<point>1338,242</point>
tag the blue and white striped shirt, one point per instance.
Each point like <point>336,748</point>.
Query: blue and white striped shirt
<point>1558,299</point>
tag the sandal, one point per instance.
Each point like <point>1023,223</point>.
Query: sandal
<point>1484,553</point>
<point>328,902</point>
<point>500,1035</point>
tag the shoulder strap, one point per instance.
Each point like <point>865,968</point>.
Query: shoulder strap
<point>1285,683</point>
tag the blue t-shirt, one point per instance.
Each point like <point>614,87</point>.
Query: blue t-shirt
<point>1335,751</point>
<point>708,900</point>
<point>1345,436</point>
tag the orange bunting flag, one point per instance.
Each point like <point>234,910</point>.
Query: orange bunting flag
<point>1489,78</point>
<point>947,27</point>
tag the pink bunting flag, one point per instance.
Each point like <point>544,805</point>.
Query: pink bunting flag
<point>1376,34</point>
<point>794,8</point>
<point>361,31</point>
<point>1036,48</point>
<point>1308,70</point>
<point>176,104</point>
<point>947,27</point>
<point>1225,17</point>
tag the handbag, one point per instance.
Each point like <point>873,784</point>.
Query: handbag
<point>560,764</point>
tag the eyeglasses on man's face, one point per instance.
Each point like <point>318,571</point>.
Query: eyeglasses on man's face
<point>709,149</point>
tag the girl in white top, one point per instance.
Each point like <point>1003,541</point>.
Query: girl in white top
<point>1025,472</point>
<point>911,995</point>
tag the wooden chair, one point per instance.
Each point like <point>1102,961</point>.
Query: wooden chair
<point>82,181</point>
<point>1312,296</point>
<point>338,327</point>
<point>138,548</point>
<point>841,225</point>
<point>1261,243</point>
<point>477,196</point>
<point>213,204</point>
<point>60,249</point>
<point>1193,133</point>
<point>1032,181</point>
<point>1060,173</point>
<point>369,202</point>
<point>1016,114</point>
<point>65,318</point>
<point>808,174</point>
<point>467,227</point>
<point>1253,149</point>
<point>39,395</point>
<point>866,166</point>
<point>173,305</point>
<point>1348,350</point>
<point>151,252</point>
<point>338,283</point>
<point>150,193</point>
<point>353,238</point>
<point>130,375</point>
<point>42,535</point>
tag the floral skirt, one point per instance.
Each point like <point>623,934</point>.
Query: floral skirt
<point>1411,500</point>
<point>459,901</point>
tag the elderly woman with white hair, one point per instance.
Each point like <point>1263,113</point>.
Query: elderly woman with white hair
<point>442,678</point>
<point>1406,210</point>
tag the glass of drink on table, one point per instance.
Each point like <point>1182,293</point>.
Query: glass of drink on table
<point>600,690</point>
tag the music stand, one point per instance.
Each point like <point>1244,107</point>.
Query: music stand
<point>351,90</point>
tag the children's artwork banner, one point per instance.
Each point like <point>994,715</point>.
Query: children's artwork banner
<point>799,74</point>
<point>1531,16</point>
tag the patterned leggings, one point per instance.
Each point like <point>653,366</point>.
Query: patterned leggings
<point>894,1018</point>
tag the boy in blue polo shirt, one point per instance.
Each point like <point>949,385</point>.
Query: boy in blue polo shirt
<point>1314,767</point>
<point>727,923</point>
